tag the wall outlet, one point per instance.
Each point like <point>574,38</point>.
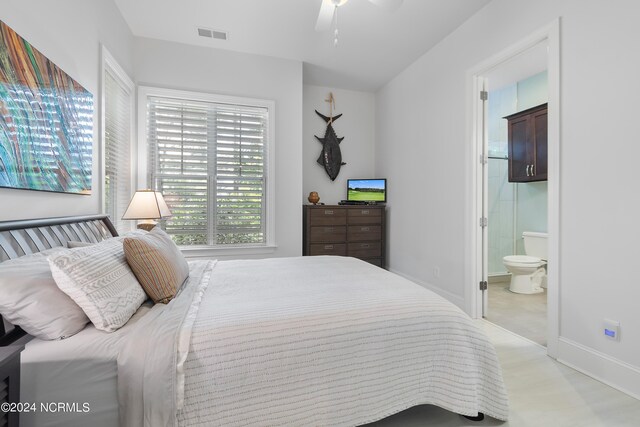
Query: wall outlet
<point>436,272</point>
<point>611,329</point>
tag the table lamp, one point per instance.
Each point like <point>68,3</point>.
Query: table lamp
<point>147,206</point>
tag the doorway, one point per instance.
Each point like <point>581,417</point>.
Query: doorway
<point>515,209</point>
<point>534,59</point>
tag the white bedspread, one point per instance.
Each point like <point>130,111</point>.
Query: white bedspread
<point>303,341</point>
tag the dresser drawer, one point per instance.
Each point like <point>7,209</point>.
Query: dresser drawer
<point>328,216</point>
<point>328,249</point>
<point>364,216</point>
<point>374,261</point>
<point>360,233</point>
<point>364,250</point>
<point>328,234</point>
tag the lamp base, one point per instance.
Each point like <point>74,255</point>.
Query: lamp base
<point>147,226</point>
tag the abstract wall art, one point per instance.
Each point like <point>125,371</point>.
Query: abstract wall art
<point>46,122</point>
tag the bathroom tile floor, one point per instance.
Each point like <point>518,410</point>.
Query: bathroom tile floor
<point>525,315</point>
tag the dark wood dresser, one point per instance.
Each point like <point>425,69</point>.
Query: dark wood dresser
<point>358,231</point>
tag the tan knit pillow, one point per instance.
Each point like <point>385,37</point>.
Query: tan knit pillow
<point>158,264</point>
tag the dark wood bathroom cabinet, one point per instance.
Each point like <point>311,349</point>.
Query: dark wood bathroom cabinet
<point>528,145</point>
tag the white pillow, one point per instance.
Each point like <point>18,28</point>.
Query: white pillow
<point>30,298</point>
<point>133,233</point>
<point>100,281</point>
<point>72,244</point>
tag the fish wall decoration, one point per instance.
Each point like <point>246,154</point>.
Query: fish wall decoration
<point>330,156</point>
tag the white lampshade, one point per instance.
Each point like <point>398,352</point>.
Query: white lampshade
<point>147,204</point>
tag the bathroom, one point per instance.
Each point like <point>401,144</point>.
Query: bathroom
<point>517,298</point>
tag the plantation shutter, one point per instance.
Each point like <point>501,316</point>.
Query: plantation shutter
<point>208,160</point>
<point>117,119</point>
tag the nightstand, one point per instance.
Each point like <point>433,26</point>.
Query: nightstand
<point>10,382</point>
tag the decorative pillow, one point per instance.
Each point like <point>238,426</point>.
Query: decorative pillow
<point>72,244</point>
<point>30,298</point>
<point>133,233</point>
<point>157,263</point>
<point>99,280</point>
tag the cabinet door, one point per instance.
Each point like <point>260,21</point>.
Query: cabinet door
<point>540,144</point>
<point>521,154</point>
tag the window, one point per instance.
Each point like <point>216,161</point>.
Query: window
<point>117,128</point>
<point>209,158</point>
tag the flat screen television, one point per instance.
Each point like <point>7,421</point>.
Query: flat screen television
<point>367,190</point>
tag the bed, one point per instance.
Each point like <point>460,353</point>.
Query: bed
<point>285,341</point>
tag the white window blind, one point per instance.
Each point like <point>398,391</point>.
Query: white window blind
<point>117,150</point>
<point>209,161</point>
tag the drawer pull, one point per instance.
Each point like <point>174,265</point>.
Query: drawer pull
<point>365,229</point>
<point>328,212</point>
<point>365,212</point>
<point>328,229</point>
<point>365,246</point>
<point>328,247</point>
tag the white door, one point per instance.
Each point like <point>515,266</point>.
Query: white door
<point>484,171</point>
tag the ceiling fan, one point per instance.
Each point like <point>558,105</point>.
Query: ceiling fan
<point>329,13</point>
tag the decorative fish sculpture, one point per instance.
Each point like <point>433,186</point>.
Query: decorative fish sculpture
<point>331,156</point>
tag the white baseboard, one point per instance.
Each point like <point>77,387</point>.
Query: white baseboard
<point>604,368</point>
<point>455,299</point>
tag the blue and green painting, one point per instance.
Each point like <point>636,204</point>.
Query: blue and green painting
<point>46,122</point>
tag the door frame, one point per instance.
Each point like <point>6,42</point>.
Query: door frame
<point>474,268</point>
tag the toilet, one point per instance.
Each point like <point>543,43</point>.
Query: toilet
<point>528,275</point>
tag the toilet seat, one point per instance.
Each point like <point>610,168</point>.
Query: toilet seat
<point>523,261</point>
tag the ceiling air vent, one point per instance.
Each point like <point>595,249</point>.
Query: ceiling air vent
<point>212,34</point>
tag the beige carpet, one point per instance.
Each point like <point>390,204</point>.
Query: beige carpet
<point>542,393</point>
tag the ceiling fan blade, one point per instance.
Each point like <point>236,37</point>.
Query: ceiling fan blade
<point>387,5</point>
<point>325,17</point>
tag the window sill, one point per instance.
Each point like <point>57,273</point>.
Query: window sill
<point>209,252</point>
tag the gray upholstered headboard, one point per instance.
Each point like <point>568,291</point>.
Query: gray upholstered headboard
<point>24,237</point>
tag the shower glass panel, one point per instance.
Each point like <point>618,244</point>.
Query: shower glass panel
<point>502,193</point>
<point>501,214</point>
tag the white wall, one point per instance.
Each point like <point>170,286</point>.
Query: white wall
<point>69,33</point>
<point>357,126</point>
<point>421,141</point>
<point>178,66</point>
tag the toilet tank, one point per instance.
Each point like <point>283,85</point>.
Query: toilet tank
<point>535,244</point>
